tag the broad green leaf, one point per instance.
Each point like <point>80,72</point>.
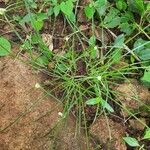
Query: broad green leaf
<point>142,49</point>
<point>92,40</point>
<point>136,6</point>
<point>107,106</point>
<point>56,10</point>
<point>50,11</point>
<point>113,23</point>
<point>99,100</point>
<point>89,11</point>
<point>121,4</point>
<point>144,54</point>
<point>67,7</point>
<point>36,20</point>
<point>119,41</point>
<point>128,16</point>
<point>147,134</point>
<point>93,101</point>
<point>131,141</point>
<point>146,78</point>
<point>27,18</point>
<point>5,46</point>
<point>111,15</point>
<point>112,19</point>
<point>127,28</point>
<point>101,6</point>
<point>37,24</point>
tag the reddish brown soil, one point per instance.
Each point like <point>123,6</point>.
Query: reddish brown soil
<point>109,133</point>
<point>27,115</point>
<point>133,95</point>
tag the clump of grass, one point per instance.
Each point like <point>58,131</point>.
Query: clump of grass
<point>103,65</point>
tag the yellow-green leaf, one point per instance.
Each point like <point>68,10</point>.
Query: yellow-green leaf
<point>5,46</point>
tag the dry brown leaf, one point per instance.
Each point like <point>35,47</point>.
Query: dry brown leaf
<point>48,40</point>
<point>81,16</point>
<point>136,124</point>
<point>102,35</point>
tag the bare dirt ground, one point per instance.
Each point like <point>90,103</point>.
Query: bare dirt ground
<point>109,133</point>
<point>28,115</point>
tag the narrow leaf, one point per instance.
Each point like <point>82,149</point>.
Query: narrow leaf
<point>93,101</point>
<point>107,106</point>
<point>131,141</point>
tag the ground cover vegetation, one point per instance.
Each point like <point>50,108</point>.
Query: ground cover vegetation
<point>96,54</point>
